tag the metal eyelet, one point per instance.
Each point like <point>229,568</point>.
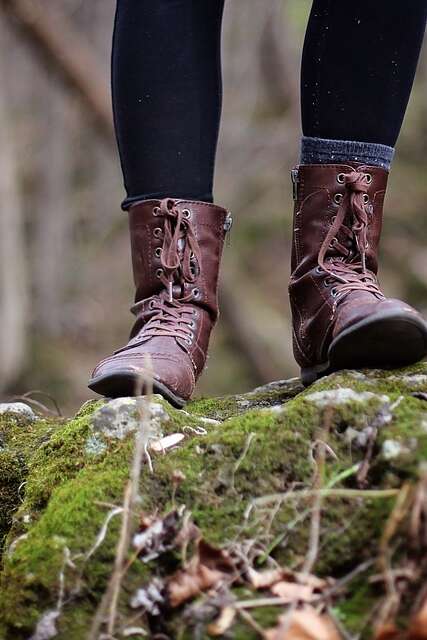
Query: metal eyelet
<point>188,341</point>
<point>338,198</point>
<point>365,198</point>
<point>327,283</point>
<point>192,324</point>
<point>186,213</point>
<point>159,273</point>
<point>157,233</point>
<point>341,178</point>
<point>367,245</point>
<point>158,252</point>
<point>151,304</point>
<point>333,219</point>
<point>156,211</point>
<point>334,292</point>
<point>368,178</point>
<point>319,270</point>
<point>195,314</point>
<point>196,293</point>
<point>333,242</point>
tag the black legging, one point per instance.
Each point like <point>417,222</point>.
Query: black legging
<point>358,66</point>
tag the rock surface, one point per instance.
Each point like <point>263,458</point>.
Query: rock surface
<point>245,473</point>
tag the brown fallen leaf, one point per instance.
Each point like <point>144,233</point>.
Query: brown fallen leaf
<point>187,583</point>
<point>267,578</point>
<point>292,591</point>
<point>304,624</point>
<point>222,623</point>
<point>388,632</point>
<point>215,558</point>
<point>208,568</point>
<point>264,579</point>
<point>313,581</point>
<point>418,625</point>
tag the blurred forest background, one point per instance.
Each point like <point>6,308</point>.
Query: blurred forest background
<point>65,276</point>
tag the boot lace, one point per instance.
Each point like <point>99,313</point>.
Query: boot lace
<point>180,260</point>
<point>354,275</point>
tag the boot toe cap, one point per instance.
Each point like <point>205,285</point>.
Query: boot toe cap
<point>124,374</point>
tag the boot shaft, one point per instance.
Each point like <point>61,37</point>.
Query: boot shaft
<point>318,193</point>
<point>195,249</point>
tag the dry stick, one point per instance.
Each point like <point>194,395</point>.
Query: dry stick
<point>110,598</point>
<point>246,617</point>
<point>326,493</point>
<point>313,548</point>
<point>132,490</point>
<point>363,471</point>
<point>400,510</point>
<point>122,549</point>
<point>243,455</point>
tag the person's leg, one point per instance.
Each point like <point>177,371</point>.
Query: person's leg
<point>358,67</point>
<point>166,87</point>
<point>166,81</point>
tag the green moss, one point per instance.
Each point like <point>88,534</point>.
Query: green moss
<point>254,452</point>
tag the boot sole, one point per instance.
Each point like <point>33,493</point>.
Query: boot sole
<point>123,383</point>
<point>385,340</point>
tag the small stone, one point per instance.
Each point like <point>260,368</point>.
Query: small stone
<point>119,417</point>
<point>414,380</point>
<point>243,403</point>
<point>392,449</point>
<point>343,396</point>
<point>94,446</point>
<point>18,408</point>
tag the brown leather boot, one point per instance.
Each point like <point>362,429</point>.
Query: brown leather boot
<point>341,319</point>
<point>176,253</point>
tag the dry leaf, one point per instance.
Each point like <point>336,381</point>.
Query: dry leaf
<point>304,624</point>
<point>313,581</point>
<point>186,584</point>
<point>388,632</point>
<point>206,569</point>
<point>215,558</point>
<point>292,591</point>
<point>222,623</point>
<point>264,579</point>
<point>167,442</point>
<point>418,625</point>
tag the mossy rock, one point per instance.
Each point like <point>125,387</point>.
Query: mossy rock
<point>59,480</point>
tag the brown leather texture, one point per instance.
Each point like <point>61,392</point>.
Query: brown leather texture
<point>336,232</point>
<point>176,253</point>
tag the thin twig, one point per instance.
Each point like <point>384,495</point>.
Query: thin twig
<point>110,599</point>
<point>246,617</point>
<point>326,493</point>
<point>122,549</point>
<point>313,547</point>
<point>243,455</point>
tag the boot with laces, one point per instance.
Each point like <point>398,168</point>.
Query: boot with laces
<point>341,318</point>
<point>176,252</point>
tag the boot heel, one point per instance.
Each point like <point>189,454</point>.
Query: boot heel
<point>308,376</point>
